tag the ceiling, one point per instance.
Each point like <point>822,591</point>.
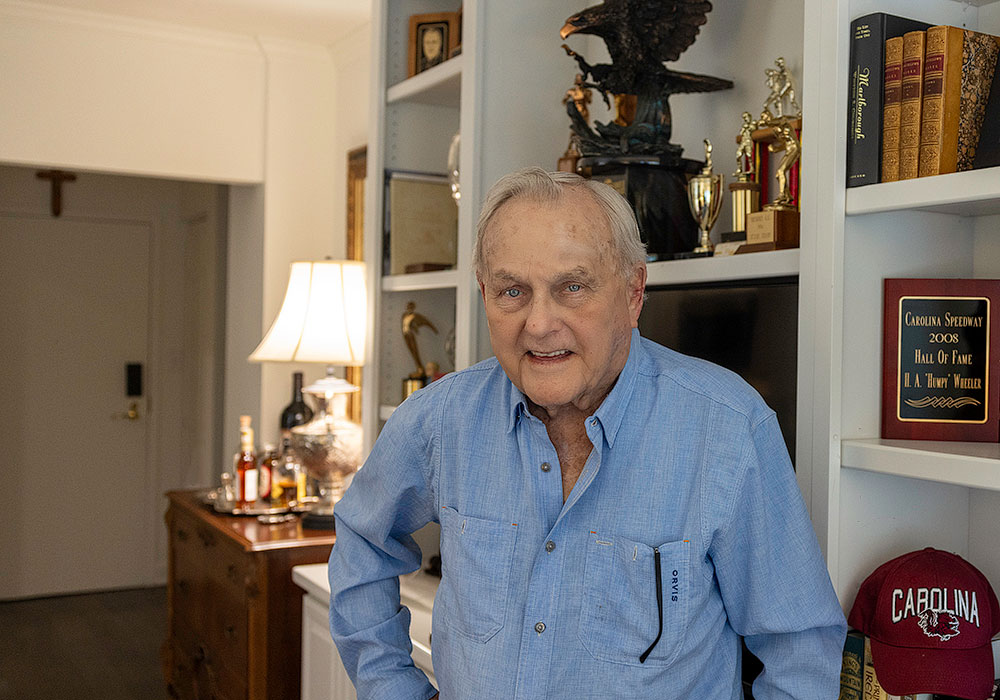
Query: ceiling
<point>317,21</point>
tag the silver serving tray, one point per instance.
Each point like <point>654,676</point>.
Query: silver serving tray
<point>220,505</point>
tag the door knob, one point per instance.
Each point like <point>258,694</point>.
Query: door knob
<point>131,414</point>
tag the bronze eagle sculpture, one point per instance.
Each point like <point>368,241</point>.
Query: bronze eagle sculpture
<point>640,36</point>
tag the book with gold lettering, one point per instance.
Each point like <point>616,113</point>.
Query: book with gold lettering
<point>911,93</point>
<point>941,344</point>
<point>891,88</point>
<point>959,65</point>
<point>865,79</point>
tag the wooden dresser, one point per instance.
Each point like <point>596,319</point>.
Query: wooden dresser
<point>234,615</point>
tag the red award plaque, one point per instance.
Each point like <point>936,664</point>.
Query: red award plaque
<point>939,356</point>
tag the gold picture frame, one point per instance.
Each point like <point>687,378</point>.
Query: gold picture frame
<point>433,37</point>
<point>357,170</point>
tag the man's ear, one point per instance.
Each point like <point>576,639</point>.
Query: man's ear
<point>636,293</point>
<point>482,287</point>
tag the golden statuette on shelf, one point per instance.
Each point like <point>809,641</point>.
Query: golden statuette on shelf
<point>777,129</point>
<point>705,199</point>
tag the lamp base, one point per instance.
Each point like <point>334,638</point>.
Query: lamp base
<point>318,521</point>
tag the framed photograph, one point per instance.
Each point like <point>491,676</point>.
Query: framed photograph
<point>432,39</point>
<point>940,350</point>
<point>420,223</point>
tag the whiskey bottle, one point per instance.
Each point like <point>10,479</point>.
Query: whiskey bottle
<point>246,465</point>
<point>298,411</point>
<point>286,479</point>
<point>266,469</point>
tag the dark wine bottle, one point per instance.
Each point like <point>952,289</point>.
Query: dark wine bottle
<point>298,411</point>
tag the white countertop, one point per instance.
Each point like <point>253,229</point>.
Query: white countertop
<point>416,592</point>
<point>313,580</point>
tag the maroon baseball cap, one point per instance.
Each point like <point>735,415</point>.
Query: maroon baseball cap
<point>930,616</point>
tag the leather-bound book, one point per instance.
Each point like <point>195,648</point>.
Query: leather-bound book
<point>911,93</point>
<point>891,89</point>
<point>958,71</point>
<point>864,119</point>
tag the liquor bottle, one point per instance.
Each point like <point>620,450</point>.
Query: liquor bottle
<point>298,411</point>
<point>246,465</point>
<point>268,464</point>
<point>286,478</point>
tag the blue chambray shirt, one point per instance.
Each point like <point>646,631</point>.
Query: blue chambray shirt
<point>545,599</point>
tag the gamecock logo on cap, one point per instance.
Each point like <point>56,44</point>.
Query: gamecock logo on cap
<point>943,625</point>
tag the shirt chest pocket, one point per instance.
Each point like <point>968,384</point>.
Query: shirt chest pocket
<point>622,608</point>
<point>476,556</point>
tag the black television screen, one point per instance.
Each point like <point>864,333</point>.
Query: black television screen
<point>749,327</point>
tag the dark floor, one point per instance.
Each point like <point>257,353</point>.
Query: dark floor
<point>83,647</point>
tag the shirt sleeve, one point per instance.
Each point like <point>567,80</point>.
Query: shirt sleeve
<point>772,577</point>
<point>390,498</point>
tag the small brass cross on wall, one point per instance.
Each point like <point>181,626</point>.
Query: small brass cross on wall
<point>57,177</point>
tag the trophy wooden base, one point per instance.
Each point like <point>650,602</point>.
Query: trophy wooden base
<point>771,229</point>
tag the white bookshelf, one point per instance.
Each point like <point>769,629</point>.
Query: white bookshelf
<point>440,85</point>
<point>970,193</point>
<point>419,281</point>
<point>726,268</point>
<point>971,464</point>
<point>872,499</point>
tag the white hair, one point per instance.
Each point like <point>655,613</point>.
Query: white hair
<point>536,184</point>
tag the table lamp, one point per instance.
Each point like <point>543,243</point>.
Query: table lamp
<point>323,318</point>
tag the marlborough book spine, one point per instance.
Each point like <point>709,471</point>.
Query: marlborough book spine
<point>941,102</point>
<point>891,90</point>
<point>911,91</point>
<point>867,57</point>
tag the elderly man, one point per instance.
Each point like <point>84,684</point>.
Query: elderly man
<point>614,515</point>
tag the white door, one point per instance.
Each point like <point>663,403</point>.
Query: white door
<point>74,298</point>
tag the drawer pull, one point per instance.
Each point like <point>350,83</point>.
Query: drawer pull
<point>182,535</point>
<point>232,573</point>
<point>207,538</point>
<point>230,632</point>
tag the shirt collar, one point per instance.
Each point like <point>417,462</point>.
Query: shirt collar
<point>611,411</point>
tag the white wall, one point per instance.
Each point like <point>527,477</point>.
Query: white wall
<point>96,92</point>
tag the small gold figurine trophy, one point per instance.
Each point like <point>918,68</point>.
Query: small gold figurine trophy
<point>412,322</point>
<point>777,226</point>
<point>705,199</point>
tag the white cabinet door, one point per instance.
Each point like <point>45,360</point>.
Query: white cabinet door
<point>323,675</point>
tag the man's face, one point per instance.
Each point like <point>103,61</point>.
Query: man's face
<point>560,315</point>
<point>432,43</point>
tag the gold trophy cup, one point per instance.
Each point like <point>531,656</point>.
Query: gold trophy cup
<point>705,199</point>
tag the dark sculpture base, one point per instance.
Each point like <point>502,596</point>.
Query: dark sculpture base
<point>318,521</point>
<point>656,187</point>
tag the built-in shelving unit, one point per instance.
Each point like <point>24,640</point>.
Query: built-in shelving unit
<point>872,499</point>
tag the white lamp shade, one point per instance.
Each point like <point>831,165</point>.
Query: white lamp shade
<point>323,317</point>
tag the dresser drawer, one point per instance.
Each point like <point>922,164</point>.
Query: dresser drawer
<point>212,587</point>
<point>199,673</point>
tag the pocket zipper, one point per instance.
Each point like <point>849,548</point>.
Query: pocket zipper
<point>659,605</point>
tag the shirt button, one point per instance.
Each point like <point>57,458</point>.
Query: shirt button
<point>549,546</point>
<point>546,466</point>
<point>539,627</point>
<point>594,422</point>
